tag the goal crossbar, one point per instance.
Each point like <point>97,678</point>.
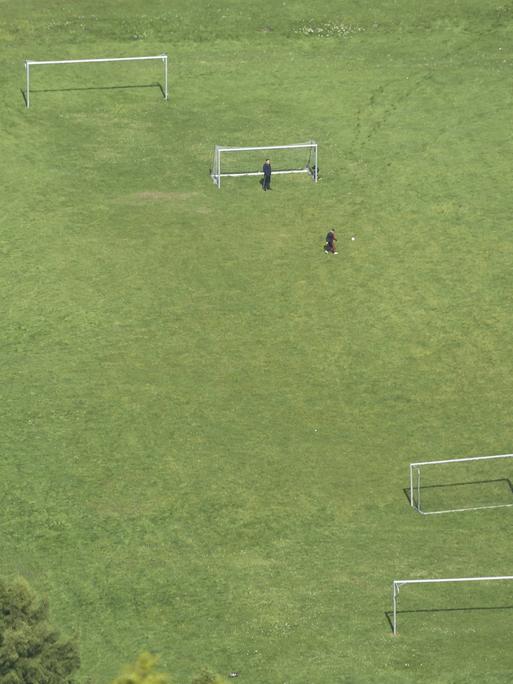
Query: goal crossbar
<point>263,149</point>
<point>216,173</point>
<point>38,62</point>
<point>415,468</point>
<point>397,584</point>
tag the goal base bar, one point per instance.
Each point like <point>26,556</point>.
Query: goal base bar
<point>258,173</point>
<point>460,510</point>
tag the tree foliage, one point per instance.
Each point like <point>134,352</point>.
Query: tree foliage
<point>143,672</point>
<point>31,650</point>
<point>208,677</point>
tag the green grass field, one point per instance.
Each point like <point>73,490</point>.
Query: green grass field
<point>206,422</point>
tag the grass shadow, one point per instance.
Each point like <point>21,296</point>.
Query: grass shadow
<point>86,88</point>
<point>506,480</point>
<point>389,614</point>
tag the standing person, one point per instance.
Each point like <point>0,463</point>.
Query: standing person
<point>331,243</point>
<point>266,183</point>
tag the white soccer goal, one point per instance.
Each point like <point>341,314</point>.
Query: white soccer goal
<point>397,584</point>
<point>30,63</point>
<point>461,484</point>
<point>248,161</point>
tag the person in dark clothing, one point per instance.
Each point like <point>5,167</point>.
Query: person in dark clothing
<point>331,243</point>
<point>266,182</point>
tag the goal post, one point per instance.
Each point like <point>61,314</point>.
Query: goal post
<point>397,584</point>
<point>248,161</point>
<point>31,62</point>
<point>461,484</point>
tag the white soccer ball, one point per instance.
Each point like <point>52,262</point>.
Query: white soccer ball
<point>353,238</point>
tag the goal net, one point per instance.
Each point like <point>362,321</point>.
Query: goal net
<point>248,161</point>
<point>461,484</point>
<point>30,63</point>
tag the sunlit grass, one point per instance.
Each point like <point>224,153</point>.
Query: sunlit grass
<point>206,421</point>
